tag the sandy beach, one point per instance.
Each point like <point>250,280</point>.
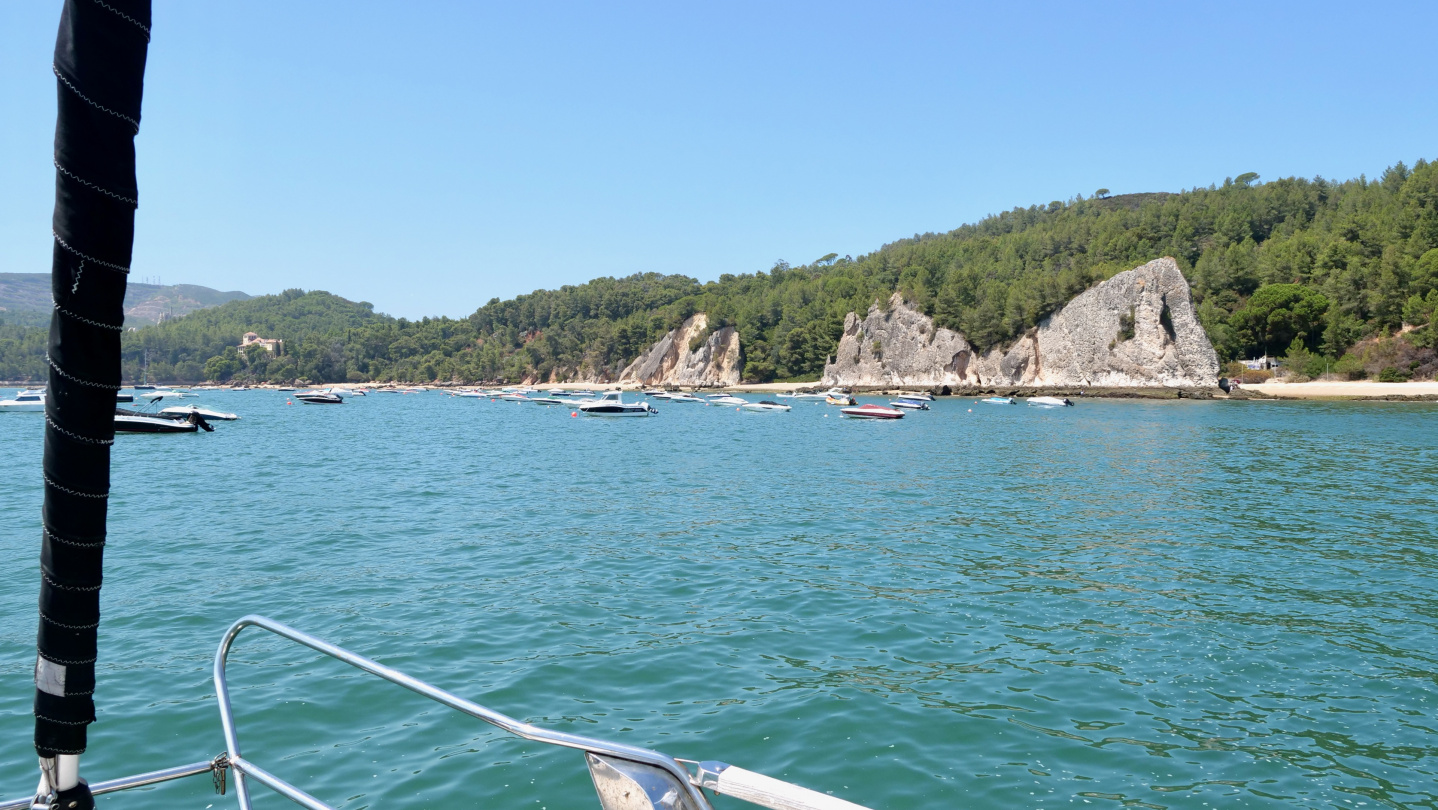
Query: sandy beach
<point>1361,389</point>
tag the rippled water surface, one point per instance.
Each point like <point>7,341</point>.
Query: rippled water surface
<point>1178,604</point>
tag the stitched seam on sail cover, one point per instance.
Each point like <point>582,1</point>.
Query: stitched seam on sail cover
<point>52,659</point>
<point>67,375</point>
<point>74,492</point>
<point>132,122</point>
<point>62,586</point>
<point>82,181</point>
<point>69,626</point>
<point>72,434</point>
<point>126,17</point>
<point>71,542</point>
<point>101,262</point>
<point>67,313</point>
<point>64,722</point>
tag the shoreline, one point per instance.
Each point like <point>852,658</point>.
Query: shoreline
<point>1339,391</point>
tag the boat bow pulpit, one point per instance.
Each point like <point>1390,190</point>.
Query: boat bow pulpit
<point>625,777</point>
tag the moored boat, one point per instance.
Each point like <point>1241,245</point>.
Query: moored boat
<point>612,404</point>
<point>765,406</point>
<point>127,421</point>
<point>835,398</point>
<point>1049,402</point>
<point>684,398</point>
<point>725,399</point>
<point>320,398</point>
<point>999,400</point>
<point>872,411</point>
<point>910,404</point>
<point>206,413</point>
<point>921,396</point>
<point>30,400</point>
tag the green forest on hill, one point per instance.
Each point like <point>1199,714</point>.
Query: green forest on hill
<point>1325,272</point>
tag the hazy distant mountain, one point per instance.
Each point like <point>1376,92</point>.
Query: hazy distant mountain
<point>25,300</point>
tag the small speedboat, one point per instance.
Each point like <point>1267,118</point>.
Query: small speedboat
<point>834,398</point>
<point>910,404</point>
<point>31,400</point>
<point>872,411</point>
<point>1049,402</point>
<point>765,406</point>
<point>656,392</point>
<point>684,398</point>
<point>320,398</point>
<point>922,396</point>
<point>547,400</point>
<point>726,399</point>
<point>613,404</point>
<point>207,413</point>
<point>999,400</point>
<point>168,393</point>
<point>127,421</point>
<point>514,397</point>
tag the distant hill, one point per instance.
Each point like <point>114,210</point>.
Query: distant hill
<point>25,300</point>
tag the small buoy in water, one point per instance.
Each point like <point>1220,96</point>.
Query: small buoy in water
<point>287,402</point>
<point>574,413</point>
<point>971,410</point>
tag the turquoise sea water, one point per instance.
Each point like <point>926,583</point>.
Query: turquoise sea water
<point>1176,604</point>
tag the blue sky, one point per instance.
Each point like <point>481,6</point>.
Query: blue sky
<point>428,156</point>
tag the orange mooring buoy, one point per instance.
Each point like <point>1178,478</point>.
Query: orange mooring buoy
<point>574,413</point>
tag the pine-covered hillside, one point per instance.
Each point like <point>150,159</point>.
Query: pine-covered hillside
<point>1327,273</point>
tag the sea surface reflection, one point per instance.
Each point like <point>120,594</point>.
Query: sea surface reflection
<point>1176,604</point>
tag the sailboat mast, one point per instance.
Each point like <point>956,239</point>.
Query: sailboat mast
<point>99,67</point>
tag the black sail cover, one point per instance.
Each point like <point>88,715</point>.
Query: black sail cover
<point>99,69</point>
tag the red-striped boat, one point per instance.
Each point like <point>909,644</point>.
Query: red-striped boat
<point>872,411</point>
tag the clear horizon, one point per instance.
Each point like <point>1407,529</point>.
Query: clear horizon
<point>430,157</point>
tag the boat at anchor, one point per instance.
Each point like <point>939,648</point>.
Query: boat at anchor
<point>872,411</point>
<point>613,404</point>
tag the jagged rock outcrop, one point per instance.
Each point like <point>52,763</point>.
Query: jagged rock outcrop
<point>670,362</point>
<point>1137,329</point>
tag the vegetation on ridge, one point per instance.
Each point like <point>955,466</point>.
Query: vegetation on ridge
<point>1307,268</point>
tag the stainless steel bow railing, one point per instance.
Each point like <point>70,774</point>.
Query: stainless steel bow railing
<point>625,776</point>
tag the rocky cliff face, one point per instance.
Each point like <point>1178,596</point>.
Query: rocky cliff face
<point>670,362</point>
<point>1137,329</point>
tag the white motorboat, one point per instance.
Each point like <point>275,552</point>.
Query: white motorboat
<point>725,399</point>
<point>684,398</point>
<point>514,397</point>
<point>811,396</point>
<point>165,393</point>
<point>30,400</point>
<point>547,401</point>
<point>320,398</point>
<point>765,406</point>
<point>207,413</point>
<point>839,398</point>
<point>1049,402</point>
<point>999,400</point>
<point>613,404</point>
<point>656,392</point>
<point>872,411</point>
<point>922,396</point>
<point>127,421</point>
<point>910,404</point>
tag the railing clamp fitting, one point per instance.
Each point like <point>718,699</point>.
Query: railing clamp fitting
<point>219,767</point>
